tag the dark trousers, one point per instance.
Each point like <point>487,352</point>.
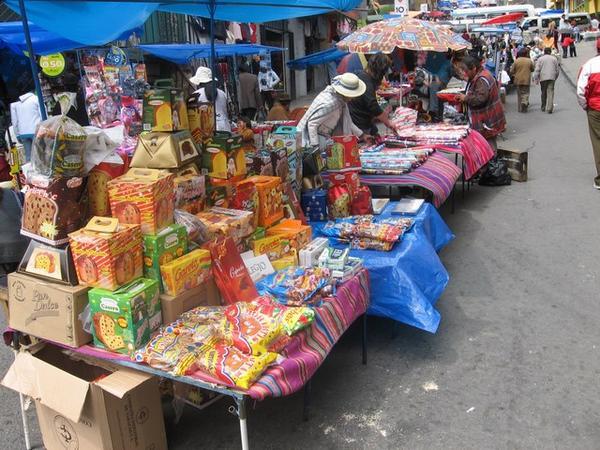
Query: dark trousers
<point>249,113</point>
<point>565,49</point>
<point>572,50</point>
<point>594,126</point>
<point>547,95</point>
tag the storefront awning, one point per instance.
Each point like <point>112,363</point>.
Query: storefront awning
<point>184,53</point>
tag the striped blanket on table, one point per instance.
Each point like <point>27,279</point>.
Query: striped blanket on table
<point>438,175</point>
<point>475,151</point>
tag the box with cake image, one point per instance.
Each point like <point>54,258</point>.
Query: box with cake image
<point>124,319</point>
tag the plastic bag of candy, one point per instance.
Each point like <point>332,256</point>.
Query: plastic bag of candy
<point>197,230</point>
<point>292,318</point>
<point>230,365</point>
<point>295,286</point>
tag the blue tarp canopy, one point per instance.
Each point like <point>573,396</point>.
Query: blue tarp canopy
<point>314,59</point>
<point>407,281</point>
<point>183,53</point>
<point>98,22</point>
<point>44,42</point>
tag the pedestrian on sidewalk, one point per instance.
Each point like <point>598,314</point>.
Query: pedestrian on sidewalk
<point>521,71</point>
<point>588,96</point>
<point>486,113</point>
<point>546,72</point>
<point>249,95</point>
<point>566,43</point>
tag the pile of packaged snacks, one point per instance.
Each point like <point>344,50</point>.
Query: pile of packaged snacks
<point>295,286</point>
<point>233,344</point>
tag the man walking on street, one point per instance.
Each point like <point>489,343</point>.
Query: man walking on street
<point>521,70</point>
<point>546,73</point>
<point>588,96</point>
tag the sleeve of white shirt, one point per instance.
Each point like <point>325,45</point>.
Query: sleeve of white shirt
<point>582,81</point>
<point>14,118</point>
<point>274,78</point>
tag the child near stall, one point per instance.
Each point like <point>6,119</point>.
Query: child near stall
<point>566,43</point>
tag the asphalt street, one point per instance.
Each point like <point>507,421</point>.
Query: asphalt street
<point>515,362</point>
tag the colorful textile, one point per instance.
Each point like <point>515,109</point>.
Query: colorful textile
<point>308,349</point>
<point>438,175</point>
<point>436,133</point>
<point>475,151</point>
<point>382,160</point>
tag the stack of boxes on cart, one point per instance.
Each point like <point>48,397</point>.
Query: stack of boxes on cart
<point>190,218</point>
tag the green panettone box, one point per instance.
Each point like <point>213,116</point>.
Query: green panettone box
<point>162,248</point>
<point>124,319</point>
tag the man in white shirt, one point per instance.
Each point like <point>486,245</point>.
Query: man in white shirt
<point>25,116</point>
<point>267,80</point>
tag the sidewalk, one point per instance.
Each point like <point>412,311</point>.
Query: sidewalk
<point>570,66</point>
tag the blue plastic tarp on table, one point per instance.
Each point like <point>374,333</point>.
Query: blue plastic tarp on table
<point>183,53</point>
<point>407,281</point>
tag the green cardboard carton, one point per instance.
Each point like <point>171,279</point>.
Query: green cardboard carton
<point>164,247</point>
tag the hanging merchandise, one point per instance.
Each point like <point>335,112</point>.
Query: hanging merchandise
<point>115,57</point>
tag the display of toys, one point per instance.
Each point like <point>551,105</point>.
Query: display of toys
<point>52,208</point>
<point>164,109</point>
<point>168,245</point>
<point>164,150</point>
<point>125,318</point>
<point>145,197</point>
<point>270,199</point>
<point>107,253</point>
<point>186,272</point>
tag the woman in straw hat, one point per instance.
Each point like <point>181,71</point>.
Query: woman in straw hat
<point>328,115</point>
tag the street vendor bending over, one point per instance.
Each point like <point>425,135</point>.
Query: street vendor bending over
<point>365,110</point>
<point>486,113</point>
<point>328,114</point>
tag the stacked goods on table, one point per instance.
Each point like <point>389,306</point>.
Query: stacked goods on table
<point>435,134</point>
<point>381,159</point>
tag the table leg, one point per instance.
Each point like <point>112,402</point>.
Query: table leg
<point>364,339</point>
<point>241,412</point>
<point>463,177</point>
<point>306,401</point>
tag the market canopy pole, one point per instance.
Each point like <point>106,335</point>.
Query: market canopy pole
<point>32,63</point>
<point>212,7</point>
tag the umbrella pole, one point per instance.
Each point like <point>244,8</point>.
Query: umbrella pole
<point>211,10</point>
<point>32,63</point>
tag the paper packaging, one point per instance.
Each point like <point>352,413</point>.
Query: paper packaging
<point>314,204</point>
<point>206,294</point>
<point>231,275</point>
<point>201,119</point>
<point>334,258</point>
<point>187,272</point>
<point>164,110</point>
<point>274,247</point>
<point>343,153</point>
<point>169,244</point>
<point>309,255</point>
<point>190,190</point>
<point>228,222</point>
<point>53,264</point>
<point>259,163</point>
<point>107,254</point>
<point>47,310</point>
<point>84,407</point>
<point>125,318</point>
<point>224,157</point>
<point>97,184</point>
<point>145,197</point>
<point>281,167</point>
<point>258,266</point>
<point>52,208</point>
<point>270,199</point>
<point>299,235</point>
<point>164,150</point>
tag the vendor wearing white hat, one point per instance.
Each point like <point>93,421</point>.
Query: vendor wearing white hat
<point>204,80</point>
<point>328,115</point>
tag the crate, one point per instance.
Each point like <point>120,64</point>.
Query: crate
<point>516,161</point>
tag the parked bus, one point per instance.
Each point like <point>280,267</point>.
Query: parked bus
<point>470,16</point>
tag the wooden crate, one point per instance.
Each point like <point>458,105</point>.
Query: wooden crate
<point>516,161</point>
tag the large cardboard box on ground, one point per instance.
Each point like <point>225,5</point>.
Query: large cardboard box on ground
<point>516,160</point>
<point>206,294</point>
<point>82,407</point>
<point>47,310</point>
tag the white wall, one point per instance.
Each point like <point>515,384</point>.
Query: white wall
<point>297,27</point>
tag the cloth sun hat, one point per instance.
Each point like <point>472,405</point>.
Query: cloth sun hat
<point>203,75</point>
<point>349,85</point>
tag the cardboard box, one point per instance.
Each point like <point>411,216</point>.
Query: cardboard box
<point>107,254</point>
<point>84,407</point>
<point>228,222</point>
<point>47,310</point>
<point>201,119</point>
<point>125,318</point>
<point>190,192</point>
<point>171,243</point>
<point>516,161</point>
<point>164,150</point>
<point>145,197</point>
<point>187,272</point>
<point>206,294</point>
<point>270,199</point>
<point>164,110</point>
<point>299,235</point>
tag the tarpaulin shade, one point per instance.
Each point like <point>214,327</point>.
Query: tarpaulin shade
<point>98,22</point>
<point>314,59</point>
<point>183,53</point>
<point>44,42</point>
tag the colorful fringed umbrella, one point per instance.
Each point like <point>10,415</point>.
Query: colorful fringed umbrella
<point>410,34</point>
<point>353,62</point>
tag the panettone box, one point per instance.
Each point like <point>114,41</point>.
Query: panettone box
<point>164,150</point>
<point>144,197</point>
<point>107,254</point>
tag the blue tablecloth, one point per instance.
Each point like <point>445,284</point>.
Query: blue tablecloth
<point>407,281</point>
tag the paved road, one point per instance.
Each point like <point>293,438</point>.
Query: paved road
<point>515,362</point>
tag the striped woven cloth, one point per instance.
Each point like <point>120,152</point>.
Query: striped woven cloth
<point>438,175</point>
<point>475,151</point>
<point>309,348</point>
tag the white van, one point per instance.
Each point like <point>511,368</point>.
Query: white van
<point>540,24</point>
<point>470,16</point>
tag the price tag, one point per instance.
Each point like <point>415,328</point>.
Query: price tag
<point>52,65</point>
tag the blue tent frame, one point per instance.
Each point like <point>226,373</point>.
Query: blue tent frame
<point>184,53</point>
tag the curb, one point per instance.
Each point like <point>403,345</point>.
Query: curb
<point>567,76</point>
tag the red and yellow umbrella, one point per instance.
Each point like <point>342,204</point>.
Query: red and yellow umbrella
<point>410,34</point>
